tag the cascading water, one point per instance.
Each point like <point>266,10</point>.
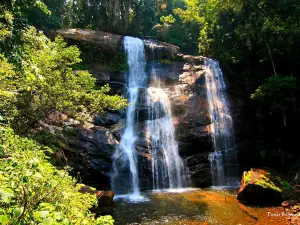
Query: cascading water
<point>167,166</point>
<point>224,158</point>
<point>125,178</point>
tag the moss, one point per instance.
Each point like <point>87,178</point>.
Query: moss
<point>265,182</point>
<point>247,178</point>
<point>286,185</point>
<point>91,55</point>
<point>269,184</point>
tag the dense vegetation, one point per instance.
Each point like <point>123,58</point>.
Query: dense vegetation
<point>256,42</point>
<point>33,191</point>
<point>36,78</point>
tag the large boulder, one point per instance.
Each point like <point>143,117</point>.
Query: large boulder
<point>105,41</point>
<point>261,186</point>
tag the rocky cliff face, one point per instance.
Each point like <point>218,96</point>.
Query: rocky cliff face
<point>112,43</point>
<point>89,151</point>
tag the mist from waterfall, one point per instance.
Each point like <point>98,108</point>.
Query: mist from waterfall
<point>125,178</point>
<point>224,158</point>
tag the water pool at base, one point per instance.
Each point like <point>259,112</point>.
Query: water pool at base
<point>193,207</point>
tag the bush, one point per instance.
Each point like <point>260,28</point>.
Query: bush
<point>32,191</point>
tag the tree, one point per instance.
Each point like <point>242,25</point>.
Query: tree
<point>46,82</point>
<point>36,76</point>
<point>164,26</point>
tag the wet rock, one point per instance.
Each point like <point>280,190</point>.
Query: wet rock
<point>105,198</point>
<point>297,178</point>
<point>288,203</point>
<point>148,107</point>
<point>260,186</point>
<point>161,49</point>
<point>199,170</point>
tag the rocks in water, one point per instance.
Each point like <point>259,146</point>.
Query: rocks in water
<point>289,203</point>
<point>261,186</point>
<point>105,198</point>
<point>292,210</point>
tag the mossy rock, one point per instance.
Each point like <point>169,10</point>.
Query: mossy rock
<point>262,187</point>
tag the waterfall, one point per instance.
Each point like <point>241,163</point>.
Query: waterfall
<point>167,166</point>
<point>125,178</point>
<point>224,158</point>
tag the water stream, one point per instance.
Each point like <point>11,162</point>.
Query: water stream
<point>166,165</point>
<point>125,177</point>
<point>224,158</point>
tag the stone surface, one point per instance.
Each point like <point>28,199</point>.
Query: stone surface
<point>288,203</point>
<point>87,148</point>
<point>89,151</point>
<point>260,186</point>
<point>112,42</point>
<point>105,198</point>
<point>105,41</point>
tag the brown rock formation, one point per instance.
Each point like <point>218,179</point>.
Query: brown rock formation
<point>261,186</point>
<point>112,42</point>
<point>105,41</point>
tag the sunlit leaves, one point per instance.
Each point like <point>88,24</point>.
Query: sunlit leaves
<point>46,82</point>
<point>32,191</point>
<point>167,19</point>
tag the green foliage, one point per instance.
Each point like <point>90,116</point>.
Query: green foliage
<point>167,19</point>
<point>6,22</point>
<point>70,131</point>
<point>46,138</point>
<point>32,191</point>
<point>286,185</point>
<point>278,89</point>
<point>278,93</point>
<point>248,177</point>
<point>46,82</point>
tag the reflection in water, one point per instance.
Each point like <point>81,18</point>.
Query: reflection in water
<point>193,207</point>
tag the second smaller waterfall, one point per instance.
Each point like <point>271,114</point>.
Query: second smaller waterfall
<point>224,158</point>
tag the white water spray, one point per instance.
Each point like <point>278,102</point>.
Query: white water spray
<point>167,166</point>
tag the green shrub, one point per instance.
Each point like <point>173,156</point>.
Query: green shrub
<point>32,191</point>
